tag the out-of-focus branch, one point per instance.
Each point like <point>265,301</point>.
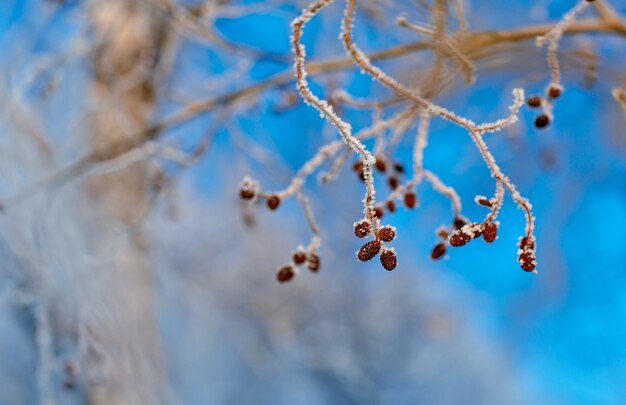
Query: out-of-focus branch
<point>473,44</point>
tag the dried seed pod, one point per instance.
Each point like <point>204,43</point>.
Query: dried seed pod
<point>460,222</point>
<point>490,232</point>
<point>368,250</point>
<point>286,273</point>
<point>554,92</point>
<point>273,201</point>
<point>299,256</point>
<point>542,121</point>
<point>393,182</point>
<point>313,262</point>
<point>534,101</point>
<point>388,259</point>
<point>438,251</point>
<point>381,166</point>
<point>459,238</point>
<point>379,211</point>
<point>527,261</point>
<point>410,199</point>
<point>362,229</point>
<point>391,206</point>
<point>387,233</point>
<point>358,166</point>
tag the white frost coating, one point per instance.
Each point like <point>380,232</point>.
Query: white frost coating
<point>518,101</point>
<point>553,37</point>
<point>325,109</point>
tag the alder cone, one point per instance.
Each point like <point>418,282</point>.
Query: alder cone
<point>246,194</point>
<point>388,259</point>
<point>459,239</point>
<point>542,121</point>
<point>490,232</point>
<point>299,257</point>
<point>410,199</point>
<point>362,229</point>
<point>386,234</point>
<point>369,250</point>
<point>273,202</point>
<point>526,243</point>
<point>527,261</point>
<point>393,183</point>
<point>438,251</point>
<point>313,262</point>
<point>285,274</point>
<point>554,92</point>
<point>381,166</point>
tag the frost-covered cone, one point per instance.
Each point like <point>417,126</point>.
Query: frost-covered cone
<point>387,233</point>
<point>388,259</point>
<point>249,189</point>
<point>368,250</point>
<point>313,262</point>
<point>299,256</point>
<point>273,202</point>
<point>286,273</point>
<point>362,229</point>
<point>490,232</point>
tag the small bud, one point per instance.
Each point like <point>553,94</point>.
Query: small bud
<point>391,206</point>
<point>490,232</point>
<point>534,101</point>
<point>273,202</point>
<point>246,194</point>
<point>313,262</point>
<point>393,182</point>
<point>387,233</point>
<point>299,256</point>
<point>398,167</point>
<point>410,199</point>
<point>285,274</point>
<point>368,250</point>
<point>358,166</point>
<point>438,251</point>
<point>542,121</point>
<point>442,232</point>
<point>554,92</point>
<point>379,211</point>
<point>484,202</point>
<point>388,259</point>
<point>381,166</point>
<point>460,222</point>
<point>362,229</point>
<point>248,189</point>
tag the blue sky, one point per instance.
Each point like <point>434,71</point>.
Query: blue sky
<point>564,328</point>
